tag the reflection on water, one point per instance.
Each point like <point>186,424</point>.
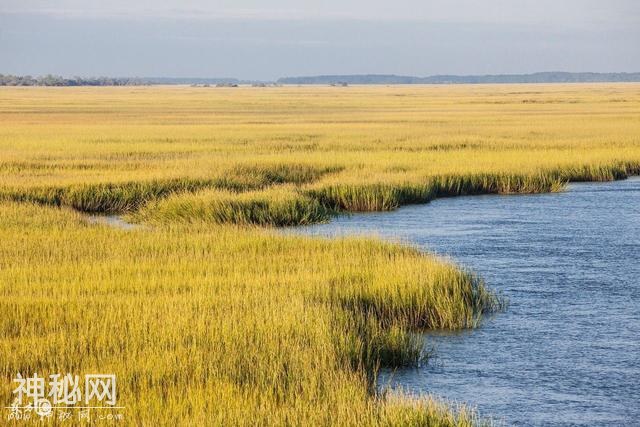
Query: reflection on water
<point>567,350</point>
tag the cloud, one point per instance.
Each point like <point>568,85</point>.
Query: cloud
<point>566,13</point>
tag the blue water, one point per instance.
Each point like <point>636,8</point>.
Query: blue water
<point>567,349</point>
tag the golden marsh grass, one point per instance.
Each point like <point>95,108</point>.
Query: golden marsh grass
<point>207,318</point>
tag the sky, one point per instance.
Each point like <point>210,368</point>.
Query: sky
<point>264,40</point>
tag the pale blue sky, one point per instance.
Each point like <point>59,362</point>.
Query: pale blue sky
<point>268,39</point>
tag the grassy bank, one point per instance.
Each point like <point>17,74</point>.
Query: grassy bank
<point>290,206</point>
<point>240,326</point>
<point>261,199</point>
<point>205,318</point>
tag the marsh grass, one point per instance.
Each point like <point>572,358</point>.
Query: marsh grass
<point>218,324</point>
<point>284,173</point>
<point>279,207</point>
<point>110,198</point>
<point>105,197</point>
<point>405,410</point>
<point>385,196</point>
<point>275,205</point>
<point>242,204</point>
<point>206,321</point>
<point>598,172</point>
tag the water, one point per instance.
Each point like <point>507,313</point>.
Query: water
<point>567,349</point>
<point>113,221</point>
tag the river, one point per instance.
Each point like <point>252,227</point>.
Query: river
<point>566,351</point>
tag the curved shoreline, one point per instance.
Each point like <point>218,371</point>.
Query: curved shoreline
<point>565,261</point>
<point>119,221</point>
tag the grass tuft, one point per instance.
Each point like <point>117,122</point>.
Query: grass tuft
<point>279,207</point>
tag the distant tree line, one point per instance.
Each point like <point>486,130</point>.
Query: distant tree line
<point>334,80</point>
<point>544,77</point>
<point>51,80</point>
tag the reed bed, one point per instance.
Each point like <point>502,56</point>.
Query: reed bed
<point>208,317</point>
